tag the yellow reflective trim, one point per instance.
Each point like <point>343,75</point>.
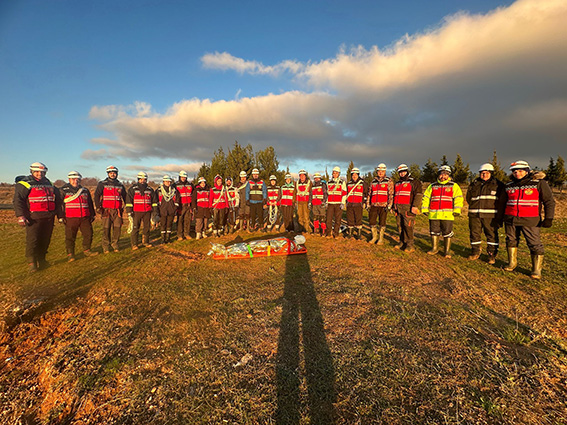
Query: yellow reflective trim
<point>25,184</point>
<point>129,205</point>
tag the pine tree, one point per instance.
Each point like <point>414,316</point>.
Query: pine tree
<point>460,170</point>
<point>551,172</point>
<point>429,171</point>
<point>239,159</point>
<point>499,173</point>
<point>444,160</point>
<point>415,171</point>
<point>368,177</point>
<point>204,171</point>
<point>349,170</point>
<point>218,165</point>
<point>560,173</point>
<point>267,162</point>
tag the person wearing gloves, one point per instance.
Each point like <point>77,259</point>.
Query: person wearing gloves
<point>442,202</point>
<point>141,202</point>
<point>168,201</point>
<point>233,196</point>
<point>219,205</point>
<point>109,200</point>
<point>302,190</point>
<point>336,199</point>
<point>287,204</point>
<point>407,201</point>
<point>318,201</point>
<point>380,198</point>
<point>78,213</point>
<point>526,195</point>
<point>202,207</point>
<point>256,196</point>
<point>185,188</point>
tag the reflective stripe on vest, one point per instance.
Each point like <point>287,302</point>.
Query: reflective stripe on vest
<point>77,206</point>
<point>522,201</point>
<point>317,195</point>
<point>355,192</point>
<point>335,192</point>
<point>41,198</point>
<point>256,192</point>
<point>379,192</point>
<point>287,196</point>
<point>441,197</point>
<point>273,194</point>
<point>203,198</point>
<point>185,191</point>
<point>219,198</point>
<point>112,197</point>
<point>302,192</point>
<point>402,193</point>
<point>232,192</point>
<point>142,201</point>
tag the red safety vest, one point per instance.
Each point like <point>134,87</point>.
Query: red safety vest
<point>232,192</point>
<point>78,207</point>
<point>112,197</point>
<point>402,193</point>
<point>522,201</point>
<point>355,191</point>
<point>441,197</point>
<point>219,198</point>
<point>256,190</point>
<point>273,194</point>
<point>203,198</point>
<point>302,191</point>
<point>41,198</point>
<point>335,192</point>
<point>379,192</point>
<point>142,201</point>
<point>185,190</point>
<point>317,195</point>
<point>287,196</point>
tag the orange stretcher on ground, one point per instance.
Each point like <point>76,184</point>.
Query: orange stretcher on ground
<point>261,248</point>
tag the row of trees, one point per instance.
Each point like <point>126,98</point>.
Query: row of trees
<point>556,174</point>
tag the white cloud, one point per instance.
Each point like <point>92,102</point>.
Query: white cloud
<point>225,61</point>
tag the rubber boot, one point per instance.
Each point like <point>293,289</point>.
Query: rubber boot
<point>381,236</point>
<point>374,235</point>
<point>492,258</point>
<point>435,247</point>
<point>358,233</point>
<point>537,265</point>
<point>512,259</point>
<point>447,244</point>
<point>475,254</point>
<point>198,236</point>
<point>349,232</point>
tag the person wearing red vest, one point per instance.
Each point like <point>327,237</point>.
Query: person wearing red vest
<point>202,207</point>
<point>380,198</point>
<point>109,200</point>
<point>256,197</point>
<point>406,205</point>
<point>287,203</point>
<point>273,204</point>
<point>302,190</point>
<point>318,201</point>
<point>233,195</point>
<point>36,202</point>
<point>357,190</point>
<point>219,206</point>
<point>185,188</point>
<point>526,195</point>
<point>78,214</point>
<point>141,202</point>
<point>336,199</point>
<point>168,202</point>
<point>243,207</point>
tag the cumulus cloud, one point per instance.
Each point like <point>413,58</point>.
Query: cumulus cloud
<point>474,84</point>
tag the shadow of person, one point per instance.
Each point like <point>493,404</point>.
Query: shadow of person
<point>302,321</point>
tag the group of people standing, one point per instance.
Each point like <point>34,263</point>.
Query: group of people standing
<point>319,206</point>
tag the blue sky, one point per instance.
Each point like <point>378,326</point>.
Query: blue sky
<point>323,81</point>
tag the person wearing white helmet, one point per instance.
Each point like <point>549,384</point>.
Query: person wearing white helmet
<point>256,196</point>
<point>243,207</point>
<point>336,200</point>
<point>168,205</point>
<point>442,202</point>
<point>141,203</point>
<point>202,207</point>
<point>36,202</point>
<point>486,200</point>
<point>380,198</point>
<point>287,203</point>
<point>318,201</point>
<point>185,188</point>
<point>273,204</point>
<point>406,204</point>
<point>109,200</point>
<point>78,214</point>
<point>527,194</point>
<point>357,191</point>
<point>302,190</point>
<point>233,196</point>
<point>219,205</point>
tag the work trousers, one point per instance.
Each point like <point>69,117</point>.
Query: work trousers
<point>141,219</point>
<point>354,215</point>
<point>166,224</point>
<point>184,221</point>
<point>488,226</point>
<point>243,210</point>
<point>531,234</point>
<point>319,218</point>
<point>111,225</point>
<point>377,214</point>
<point>256,216</point>
<point>406,224</point>
<point>72,226</point>
<point>201,219</point>
<point>334,214</point>
<point>219,218</point>
<point>303,216</point>
<point>441,228</point>
<point>231,216</point>
<point>38,237</point>
<point>287,215</point>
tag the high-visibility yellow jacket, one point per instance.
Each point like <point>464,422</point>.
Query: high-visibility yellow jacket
<point>442,200</point>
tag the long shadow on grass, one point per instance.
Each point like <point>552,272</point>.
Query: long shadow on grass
<point>302,320</point>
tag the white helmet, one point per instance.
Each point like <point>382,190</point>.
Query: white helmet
<point>355,170</point>
<point>111,169</point>
<point>183,173</point>
<point>302,171</point>
<point>317,175</point>
<point>486,167</point>
<point>202,179</point>
<point>142,175</point>
<point>402,167</point>
<point>243,174</point>
<point>272,177</point>
<point>337,169</point>
<point>519,165</point>
<point>255,171</point>
<point>167,178</point>
<point>38,166</point>
<point>288,176</point>
<point>381,167</point>
<point>74,175</point>
<point>444,169</point>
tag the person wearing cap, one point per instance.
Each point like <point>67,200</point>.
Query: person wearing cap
<point>406,204</point>
<point>219,205</point>
<point>168,204</point>
<point>78,213</point>
<point>185,188</point>
<point>36,202</point>
<point>243,207</point>
<point>141,202</point>
<point>273,204</point>
<point>526,195</point>
<point>233,197</point>
<point>486,200</point>
<point>256,196</point>
<point>380,198</point>
<point>302,191</point>
<point>287,203</point>
<point>336,199</point>
<point>202,207</point>
<point>357,191</point>
<point>442,202</point>
<point>109,200</point>
<point>318,201</point>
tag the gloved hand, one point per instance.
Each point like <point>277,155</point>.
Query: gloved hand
<point>63,221</point>
<point>456,214</point>
<point>546,223</point>
<point>343,206</point>
<point>22,221</point>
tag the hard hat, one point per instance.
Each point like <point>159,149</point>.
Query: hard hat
<point>74,175</point>
<point>444,169</point>
<point>317,175</point>
<point>167,178</point>
<point>38,166</point>
<point>243,174</point>
<point>272,177</point>
<point>218,176</point>
<point>337,169</point>
<point>288,176</point>
<point>402,167</point>
<point>111,169</point>
<point>355,170</point>
<point>302,171</point>
<point>486,167</point>
<point>142,175</point>
<point>381,167</point>
<point>519,165</point>
<point>202,179</point>
<point>255,171</point>
<point>183,173</point>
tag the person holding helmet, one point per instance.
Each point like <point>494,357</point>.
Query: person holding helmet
<point>442,202</point>
<point>141,202</point>
<point>109,200</point>
<point>256,195</point>
<point>336,199</point>
<point>185,188</point>
<point>202,207</point>
<point>36,202</point>
<point>357,190</point>
<point>526,195</point>
<point>168,201</point>
<point>233,201</point>
<point>407,201</point>
<point>287,202</point>
<point>78,214</point>
<point>273,204</point>
<point>318,201</point>
<point>302,190</point>
<point>380,198</point>
<point>244,207</point>
<point>219,205</point>
<point>486,200</point>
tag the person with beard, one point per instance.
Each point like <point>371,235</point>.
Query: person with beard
<point>380,198</point>
<point>109,199</point>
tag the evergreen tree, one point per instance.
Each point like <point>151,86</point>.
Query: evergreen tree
<point>444,160</point>
<point>204,171</point>
<point>349,170</point>
<point>218,165</point>
<point>551,172</point>
<point>368,177</point>
<point>461,171</point>
<point>327,178</point>
<point>415,171</point>
<point>429,171</point>
<point>239,159</point>
<point>560,173</point>
<point>499,173</point>
<point>267,162</point>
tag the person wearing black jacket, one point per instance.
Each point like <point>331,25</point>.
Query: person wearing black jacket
<point>486,200</point>
<point>109,200</point>
<point>141,203</point>
<point>168,198</point>
<point>408,193</point>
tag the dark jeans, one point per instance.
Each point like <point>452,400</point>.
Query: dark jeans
<point>406,225</point>
<point>354,215</point>
<point>38,237</point>
<point>184,221</point>
<point>441,228</point>
<point>111,224</point>
<point>488,226</point>
<point>377,214</point>
<point>256,215</point>
<point>72,227</point>
<point>531,234</point>
<point>287,215</point>
<point>334,213</point>
<point>141,219</point>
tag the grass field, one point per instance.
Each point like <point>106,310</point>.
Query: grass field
<point>347,334</point>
